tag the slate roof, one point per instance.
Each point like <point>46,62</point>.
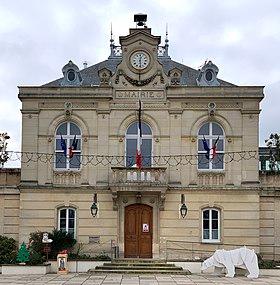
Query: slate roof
<point>90,74</point>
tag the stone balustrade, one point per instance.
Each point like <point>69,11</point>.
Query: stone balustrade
<point>270,179</point>
<point>67,177</point>
<point>152,175</point>
<point>211,178</point>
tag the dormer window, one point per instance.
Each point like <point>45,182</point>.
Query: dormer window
<point>207,75</point>
<point>71,75</point>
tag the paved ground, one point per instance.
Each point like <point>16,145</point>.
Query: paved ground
<point>86,279</point>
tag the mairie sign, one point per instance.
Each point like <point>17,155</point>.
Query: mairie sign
<point>151,95</point>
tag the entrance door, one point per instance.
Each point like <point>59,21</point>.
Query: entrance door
<point>138,231</point>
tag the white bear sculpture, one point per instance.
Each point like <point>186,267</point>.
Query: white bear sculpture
<point>240,257</point>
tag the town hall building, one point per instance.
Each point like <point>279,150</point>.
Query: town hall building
<point>198,187</point>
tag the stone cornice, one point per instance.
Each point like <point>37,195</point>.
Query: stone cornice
<point>241,92</point>
<point>29,92</point>
<point>62,188</point>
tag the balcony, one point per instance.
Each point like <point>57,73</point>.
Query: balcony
<point>146,180</point>
<point>152,176</point>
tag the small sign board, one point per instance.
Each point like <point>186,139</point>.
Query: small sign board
<point>94,239</point>
<point>145,228</point>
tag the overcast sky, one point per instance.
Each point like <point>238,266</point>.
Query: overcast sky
<point>38,37</point>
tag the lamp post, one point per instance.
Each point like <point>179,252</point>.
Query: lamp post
<point>183,208</point>
<point>94,207</point>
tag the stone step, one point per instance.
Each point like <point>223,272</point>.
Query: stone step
<point>138,260</point>
<point>117,264</point>
<point>140,271</point>
<point>138,267</point>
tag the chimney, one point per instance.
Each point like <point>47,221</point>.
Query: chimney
<point>85,64</point>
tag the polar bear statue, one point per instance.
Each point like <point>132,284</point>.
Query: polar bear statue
<point>240,257</point>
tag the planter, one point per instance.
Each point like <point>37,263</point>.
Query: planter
<point>77,265</point>
<point>15,269</point>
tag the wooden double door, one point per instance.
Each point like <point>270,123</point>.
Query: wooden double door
<point>138,231</point>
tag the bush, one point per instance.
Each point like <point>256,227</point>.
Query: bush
<point>36,258</point>
<point>267,264</point>
<point>61,241</point>
<point>8,250</point>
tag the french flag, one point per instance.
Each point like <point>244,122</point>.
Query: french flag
<point>63,145</point>
<point>213,150</point>
<point>139,140</point>
<point>73,147</point>
<point>210,153</point>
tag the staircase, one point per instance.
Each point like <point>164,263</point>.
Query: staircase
<point>139,266</point>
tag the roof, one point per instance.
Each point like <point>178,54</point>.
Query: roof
<point>90,74</point>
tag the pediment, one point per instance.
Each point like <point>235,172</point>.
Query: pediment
<point>140,34</point>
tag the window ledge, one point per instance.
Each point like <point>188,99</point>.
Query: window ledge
<point>211,171</point>
<point>67,170</point>
<point>211,242</point>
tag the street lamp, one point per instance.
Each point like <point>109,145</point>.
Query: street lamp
<point>94,207</point>
<point>183,208</point>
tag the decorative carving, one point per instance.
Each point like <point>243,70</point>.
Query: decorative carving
<point>138,197</point>
<point>211,178</point>
<point>115,201</point>
<point>67,177</point>
<point>67,110</point>
<point>162,201</point>
<point>211,109</point>
<point>104,76</point>
<point>175,75</point>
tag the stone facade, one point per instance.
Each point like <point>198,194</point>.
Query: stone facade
<point>102,103</point>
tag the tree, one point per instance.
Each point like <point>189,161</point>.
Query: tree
<point>23,254</point>
<point>273,144</point>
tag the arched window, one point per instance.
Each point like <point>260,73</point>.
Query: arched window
<point>211,144</point>
<point>131,145</point>
<point>68,146</point>
<point>67,220</point>
<point>211,225</point>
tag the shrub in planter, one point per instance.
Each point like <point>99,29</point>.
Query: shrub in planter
<point>36,258</point>
<point>61,241</point>
<point>35,242</point>
<point>8,250</point>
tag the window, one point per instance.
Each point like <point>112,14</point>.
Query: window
<point>211,135</point>
<point>211,225</point>
<point>67,220</point>
<point>131,145</point>
<point>70,157</point>
<point>71,75</point>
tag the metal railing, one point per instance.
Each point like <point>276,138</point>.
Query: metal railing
<point>186,250</point>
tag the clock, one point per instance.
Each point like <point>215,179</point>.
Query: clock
<point>139,60</point>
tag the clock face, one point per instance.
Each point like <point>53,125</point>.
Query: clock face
<point>140,60</point>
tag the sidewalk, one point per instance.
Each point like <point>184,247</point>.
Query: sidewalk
<point>119,279</point>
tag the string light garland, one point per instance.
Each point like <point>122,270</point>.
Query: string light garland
<point>122,161</point>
